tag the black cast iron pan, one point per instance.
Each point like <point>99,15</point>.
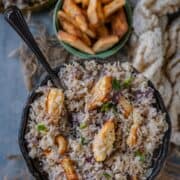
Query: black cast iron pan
<point>34,166</point>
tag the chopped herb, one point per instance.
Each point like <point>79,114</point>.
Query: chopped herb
<point>83,141</point>
<point>116,85</point>
<point>140,155</point>
<point>83,126</point>
<point>41,127</point>
<point>107,106</point>
<point>127,82</point>
<point>108,176</point>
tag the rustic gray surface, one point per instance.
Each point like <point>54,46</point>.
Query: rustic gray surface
<point>12,98</point>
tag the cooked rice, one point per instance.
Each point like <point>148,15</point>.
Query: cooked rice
<point>123,162</point>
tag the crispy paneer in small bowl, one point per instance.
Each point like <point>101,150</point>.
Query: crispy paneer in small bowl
<point>92,28</point>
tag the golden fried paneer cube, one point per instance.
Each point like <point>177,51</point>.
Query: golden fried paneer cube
<point>100,92</point>
<point>103,141</point>
<point>113,6</point>
<point>132,138</point>
<point>69,169</point>
<point>119,23</point>
<point>126,106</point>
<point>105,43</point>
<point>72,9</point>
<point>74,41</point>
<point>137,121</point>
<point>55,102</point>
<point>62,144</point>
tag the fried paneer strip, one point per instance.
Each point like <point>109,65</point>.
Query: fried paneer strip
<point>92,29</point>
<point>70,28</point>
<point>119,23</point>
<point>113,6</point>
<point>62,144</point>
<point>92,12</point>
<point>91,33</point>
<point>132,138</point>
<point>95,12</point>
<point>126,106</point>
<point>100,12</point>
<point>55,103</point>
<point>68,18</point>
<point>105,43</point>
<point>69,169</point>
<point>137,120</point>
<point>100,92</point>
<point>103,141</point>
<point>62,14</point>
<point>74,41</point>
<point>75,12</point>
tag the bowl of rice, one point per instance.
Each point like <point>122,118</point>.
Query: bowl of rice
<point>108,122</point>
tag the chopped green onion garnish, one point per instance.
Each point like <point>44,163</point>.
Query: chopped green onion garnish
<point>83,126</point>
<point>116,85</point>
<point>41,127</point>
<point>107,106</point>
<point>127,82</point>
<point>108,176</point>
<point>140,155</point>
<point>83,141</point>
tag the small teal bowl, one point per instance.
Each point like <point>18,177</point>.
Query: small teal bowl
<point>100,55</point>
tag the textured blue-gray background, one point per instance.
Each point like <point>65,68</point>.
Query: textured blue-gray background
<point>12,98</point>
